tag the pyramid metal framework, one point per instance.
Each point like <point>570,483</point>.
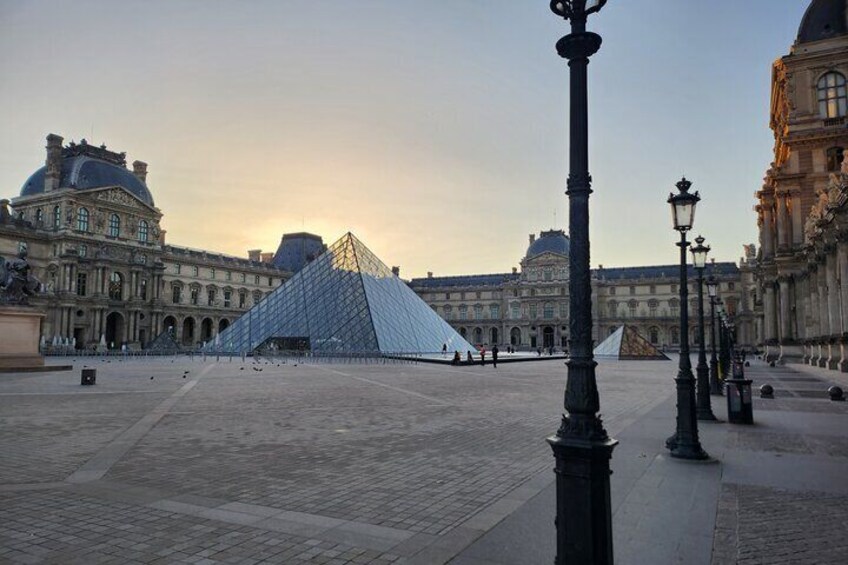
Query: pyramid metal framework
<point>625,344</point>
<point>344,301</point>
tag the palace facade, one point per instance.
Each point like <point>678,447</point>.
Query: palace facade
<point>801,212</point>
<point>95,240</point>
<point>529,308</point>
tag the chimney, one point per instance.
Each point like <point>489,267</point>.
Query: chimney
<point>266,257</point>
<point>396,271</point>
<point>140,170</point>
<point>532,238</point>
<point>53,175</point>
<point>429,274</point>
<point>254,254</point>
<point>162,237</point>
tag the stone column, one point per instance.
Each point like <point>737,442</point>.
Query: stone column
<point>824,319</point>
<point>785,311</point>
<point>770,312</point>
<point>768,227</point>
<point>782,222</point>
<point>797,219</point>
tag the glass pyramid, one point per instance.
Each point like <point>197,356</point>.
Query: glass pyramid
<point>626,344</point>
<point>344,301</point>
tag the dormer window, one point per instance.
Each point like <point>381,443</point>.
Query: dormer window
<point>114,225</point>
<point>832,95</point>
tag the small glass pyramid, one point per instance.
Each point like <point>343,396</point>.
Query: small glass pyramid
<point>625,344</point>
<point>344,301</point>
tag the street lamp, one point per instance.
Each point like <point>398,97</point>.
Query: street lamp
<point>712,290</point>
<point>705,410</point>
<point>582,448</point>
<point>684,444</point>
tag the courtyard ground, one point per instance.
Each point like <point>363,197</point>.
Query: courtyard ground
<point>171,461</point>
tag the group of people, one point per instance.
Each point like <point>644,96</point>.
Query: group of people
<point>457,358</point>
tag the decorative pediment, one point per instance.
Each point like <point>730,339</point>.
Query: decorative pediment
<point>118,196</point>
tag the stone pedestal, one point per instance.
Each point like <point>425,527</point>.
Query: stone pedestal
<point>20,330</point>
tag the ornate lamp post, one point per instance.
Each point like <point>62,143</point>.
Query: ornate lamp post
<point>712,290</point>
<point>705,410</point>
<point>582,448</point>
<point>684,444</point>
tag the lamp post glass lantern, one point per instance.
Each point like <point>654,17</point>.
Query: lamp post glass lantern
<point>712,291</point>
<point>704,407</point>
<point>684,444</point>
<point>582,448</point>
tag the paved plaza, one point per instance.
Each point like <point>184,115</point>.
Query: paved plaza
<point>176,461</point>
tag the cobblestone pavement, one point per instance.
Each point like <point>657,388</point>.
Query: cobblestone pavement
<point>319,463</point>
<point>791,506</point>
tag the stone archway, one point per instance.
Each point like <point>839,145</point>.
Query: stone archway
<point>206,330</point>
<point>114,330</point>
<point>188,331</point>
<point>478,336</point>
<point>547,337</point>
<point>170,324</point>
<point>515,336</point>
<point>223,324</point>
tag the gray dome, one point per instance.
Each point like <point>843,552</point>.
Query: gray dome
<point>553,241</point>
<point>823,19</point>
<point>85,167</point>
<point>296,250</point>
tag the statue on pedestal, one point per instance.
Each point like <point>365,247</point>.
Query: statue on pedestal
<point>17,282</point>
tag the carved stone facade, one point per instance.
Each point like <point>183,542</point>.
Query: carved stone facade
<point>802,273</point>
<point>529,309</point>
<point>95,240</point>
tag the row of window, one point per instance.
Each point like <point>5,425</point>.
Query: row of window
<point>514,293</point>
<point>652,289</point>
<point>548,311</point>
<point>142,234</point>
<point>211,296</point>
<point>115,288</point>
<point>213,273</point>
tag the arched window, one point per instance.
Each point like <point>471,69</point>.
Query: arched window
<point>57,217</point>
<point>114,225</point>
<point>82,219</point>
<point>39,217</point>
<point>142,231</point>
<point>116,286</point>
<point>654,335</point>
<point>833,99</point>
<point>675,336</point>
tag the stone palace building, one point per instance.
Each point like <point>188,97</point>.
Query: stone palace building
<point>802,209</point>
<point>528,308</point>
<point>95,239</point>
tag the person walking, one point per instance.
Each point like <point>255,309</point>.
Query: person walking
<point>482,356</point>
<point>495,357</point>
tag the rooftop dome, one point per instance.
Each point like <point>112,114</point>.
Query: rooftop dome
<point>823,19</point>
<point>553,241</point>
<point>86,166</point>
<point>296,250</point>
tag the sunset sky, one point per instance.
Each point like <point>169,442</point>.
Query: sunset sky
<point>435,131</point>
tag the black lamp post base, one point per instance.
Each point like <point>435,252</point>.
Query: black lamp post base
<point>690,451</point>
<point>584,523</point>
<point>706,414</point>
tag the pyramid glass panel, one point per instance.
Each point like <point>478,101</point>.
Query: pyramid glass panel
<point>344,301</point>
